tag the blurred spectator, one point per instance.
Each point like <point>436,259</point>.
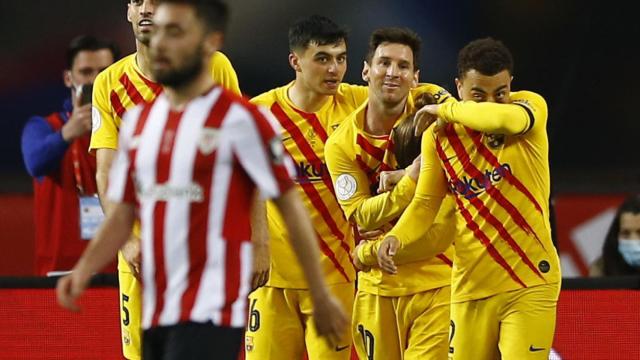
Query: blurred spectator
<point>55,153</point>
<point>621,251</point>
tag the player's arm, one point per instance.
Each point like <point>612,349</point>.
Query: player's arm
<point>42,148</point>
<point>260,242</point>
<point>417,219</point>
<point>369,212</point>
<point>437,239</point>
<point>526,111</point>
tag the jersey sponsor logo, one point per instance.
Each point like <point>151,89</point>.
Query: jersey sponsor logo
<point>472,187</point>
<point>96,119</point>
<point>164,192</point>
<point>346,186</point>
<point>309,173</point>
<point>208,141</point>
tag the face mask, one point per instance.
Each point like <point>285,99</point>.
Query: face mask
<point>630,250</point>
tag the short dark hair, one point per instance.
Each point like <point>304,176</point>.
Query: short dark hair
<point>90,43</point>
<point>213,13</point>
<point>487,56</point>
<point>317,29</point>
<point>396,35</point>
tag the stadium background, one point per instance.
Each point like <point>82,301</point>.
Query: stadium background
<point>579,54</point>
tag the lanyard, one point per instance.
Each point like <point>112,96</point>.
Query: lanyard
<point>75,158</point>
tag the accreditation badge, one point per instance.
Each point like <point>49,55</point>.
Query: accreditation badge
<point>91,216</point>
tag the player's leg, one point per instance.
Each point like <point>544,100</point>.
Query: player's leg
<point>423,321</point>
<point>374,328</point>
<point>130,311</point>
<point>474,330</point>
<point>528,322</point>
<point>317,347</point>
<point>274,329</point>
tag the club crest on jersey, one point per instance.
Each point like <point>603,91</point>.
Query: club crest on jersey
<point>248,343</point>
<point>208,140</point>
<point>495,140</point>
<point>346,186</point>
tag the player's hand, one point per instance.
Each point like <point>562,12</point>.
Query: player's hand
<point>369,234</point>
<point>131,254</point>
<point>424,117</point>
<point>413,170</point>
<point>387,250</point>
<point>389,179</point>
<point>79,122</point>
<point>261,263</point>
<point>330,318</point>
<point>356,261</point>
<point>70,287</point>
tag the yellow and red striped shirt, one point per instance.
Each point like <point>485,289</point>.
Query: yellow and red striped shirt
<point>304,136</point>
<point>499,176</point>
<point>122,86</point>
<point>355,159</point>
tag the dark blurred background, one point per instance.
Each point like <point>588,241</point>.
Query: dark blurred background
<point>582,56</point>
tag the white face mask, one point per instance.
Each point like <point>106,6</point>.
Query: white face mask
<point>630,250</point>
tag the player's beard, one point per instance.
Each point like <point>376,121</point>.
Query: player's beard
<point>178,77</point>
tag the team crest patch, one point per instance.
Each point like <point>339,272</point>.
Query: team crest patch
<point>96,119</point>
<point>345,187</point>
<point>208,140</point>
<point>248,343</point>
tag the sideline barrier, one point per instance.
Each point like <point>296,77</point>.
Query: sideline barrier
<point>597,319</point>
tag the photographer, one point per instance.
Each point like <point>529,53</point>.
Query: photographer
<point>54,149</point>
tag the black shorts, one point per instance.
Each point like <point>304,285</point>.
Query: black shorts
<point>191,340</point>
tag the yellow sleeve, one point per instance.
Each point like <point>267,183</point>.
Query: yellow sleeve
<point>223,73</point>
<point>515,118</point>
<point>416,220</point>
<point>104,122</point>
<point>353,190</point>
<point>439,237</point>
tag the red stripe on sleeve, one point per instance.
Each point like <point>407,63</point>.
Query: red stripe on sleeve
<point>116,104</point>
<point>445,259</point>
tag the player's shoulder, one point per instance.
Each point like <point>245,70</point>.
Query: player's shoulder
<point>350,93</point>
<point>220,58</point>
<point>269,97</point>
<point>115,70</point>
<point>530,98</point>
<point>347,128</point>
<point>438,92</point>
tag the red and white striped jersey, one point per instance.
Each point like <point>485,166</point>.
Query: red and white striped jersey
<point>192,175</point>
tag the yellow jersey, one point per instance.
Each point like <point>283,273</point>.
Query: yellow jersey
<point>355,159</point>
<point>122,86</point>
<point>493,158</point>
<point>304,136</point>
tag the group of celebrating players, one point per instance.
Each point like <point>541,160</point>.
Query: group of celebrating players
<point>436,207</point>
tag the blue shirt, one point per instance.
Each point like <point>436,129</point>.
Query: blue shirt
<point>42,147</point>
